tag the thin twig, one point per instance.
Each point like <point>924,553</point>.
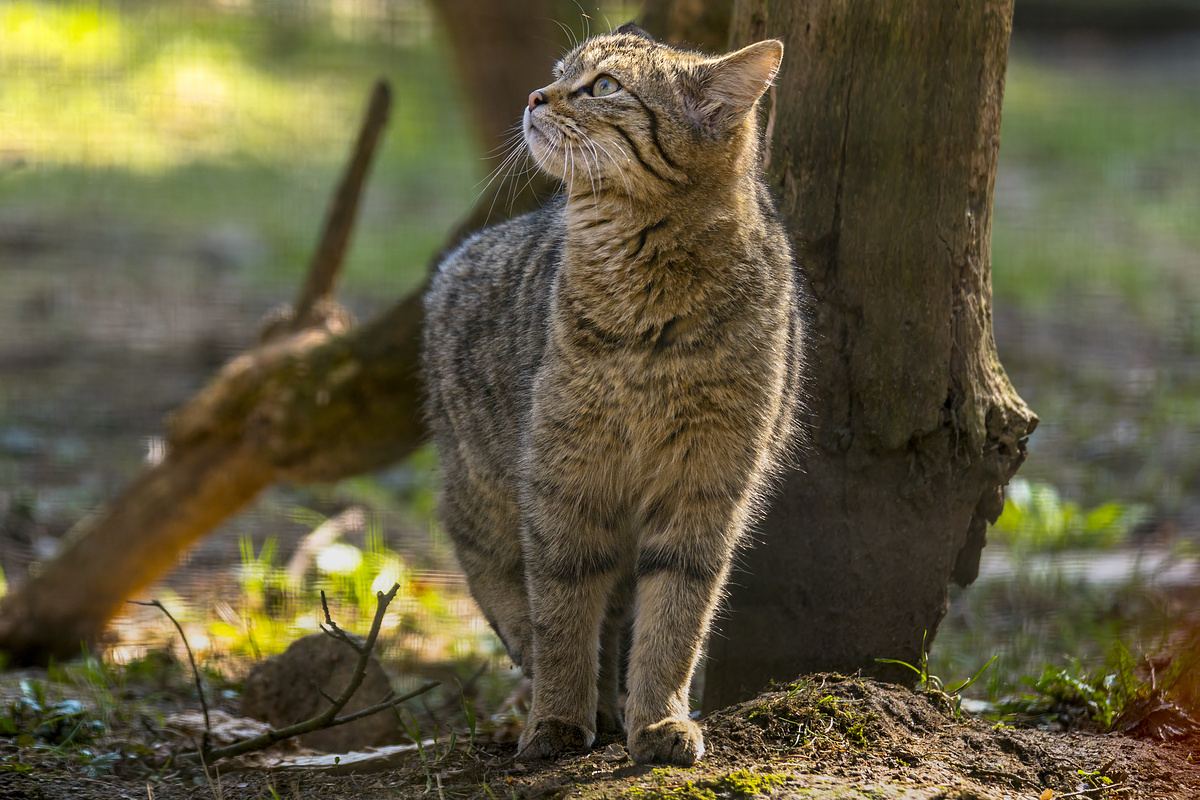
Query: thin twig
<point>192,659</point>
<point>330,628</point>
<point>328,718</point>
<point>1094,791</point>
<point>265,740</point>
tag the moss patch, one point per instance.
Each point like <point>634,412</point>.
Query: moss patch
<point>738,784</point>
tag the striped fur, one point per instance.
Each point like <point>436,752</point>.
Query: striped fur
<point>612,384</point>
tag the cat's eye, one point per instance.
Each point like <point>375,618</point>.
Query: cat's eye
<point>604,85</point>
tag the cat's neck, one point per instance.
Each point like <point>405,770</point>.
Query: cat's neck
<point>627,266</point>
<point>612,223</point>
<point>609,231</point>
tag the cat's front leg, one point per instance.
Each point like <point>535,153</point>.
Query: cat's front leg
<point>571,566</point>
<point>683,560</point>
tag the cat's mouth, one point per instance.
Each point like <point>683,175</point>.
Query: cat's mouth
<point>532,130</point>
<point>541,144</point>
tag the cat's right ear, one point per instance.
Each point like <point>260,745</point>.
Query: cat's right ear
<point>730,85</point>
<point>632,27</point>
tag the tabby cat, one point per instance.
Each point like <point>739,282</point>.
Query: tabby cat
<point>612,381</point>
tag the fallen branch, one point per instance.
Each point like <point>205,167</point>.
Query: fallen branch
<point>315,401</point>
<point>309,404</point>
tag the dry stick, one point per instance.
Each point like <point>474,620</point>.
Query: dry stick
<point>327,718</point>
<point>265,740</point>
<point>339,222</point>
<point>1114,787</point>
<point>192,659</point>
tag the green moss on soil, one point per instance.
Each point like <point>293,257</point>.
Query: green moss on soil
<point>740,784</point>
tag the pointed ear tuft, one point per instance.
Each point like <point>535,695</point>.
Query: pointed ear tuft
<point>730,85</point>
<point>632,27</point>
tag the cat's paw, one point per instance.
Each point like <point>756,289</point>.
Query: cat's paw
<point>608,722</point>
<point>550,738</point>
<point>671,741</point>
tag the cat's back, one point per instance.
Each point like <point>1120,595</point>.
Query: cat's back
<point>485,320</point>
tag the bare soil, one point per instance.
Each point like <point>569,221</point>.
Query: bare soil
<point>825,736</point>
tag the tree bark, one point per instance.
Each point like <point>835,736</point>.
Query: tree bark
<point>699,24</point>
<point>886,121</point>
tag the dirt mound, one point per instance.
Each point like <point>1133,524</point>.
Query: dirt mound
<point>875,733</point>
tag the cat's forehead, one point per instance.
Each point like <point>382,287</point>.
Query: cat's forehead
<point>622,52</point>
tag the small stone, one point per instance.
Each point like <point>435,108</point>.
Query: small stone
<point>615,753</point>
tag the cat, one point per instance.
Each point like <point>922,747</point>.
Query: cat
<point>612,384</point>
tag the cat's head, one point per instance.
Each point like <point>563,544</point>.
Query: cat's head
<point>638,117</point>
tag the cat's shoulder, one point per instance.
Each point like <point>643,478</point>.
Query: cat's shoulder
<point>542,225</point>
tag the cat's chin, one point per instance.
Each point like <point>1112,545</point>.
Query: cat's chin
<point>544,153</point>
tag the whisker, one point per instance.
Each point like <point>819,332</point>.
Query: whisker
<point>515,151</point>
<point>599,182</point>
<point>515,132</point>
<point>571,38</point>
<point>512,176</point>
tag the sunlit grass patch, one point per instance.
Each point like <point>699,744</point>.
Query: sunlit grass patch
<point>1097,188</point>
<point>69,36</point>
<point>148,88</point>
<point>186,118</point>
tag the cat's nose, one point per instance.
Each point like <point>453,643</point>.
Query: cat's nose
<point>536,98</point>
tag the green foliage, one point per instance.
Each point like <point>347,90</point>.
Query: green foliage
<point>185,117</point>
<point>275,608</point>
<point>1097,180</point>
<point>1037,518</point>
<point>929,683</point>
<point>104,683</point>
<point>1109,697</point>
<point>431,758</point>
<point>54,729</point>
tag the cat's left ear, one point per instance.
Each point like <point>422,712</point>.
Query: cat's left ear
<point>730,85</point>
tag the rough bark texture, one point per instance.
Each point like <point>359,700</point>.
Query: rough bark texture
<point>886,121</point>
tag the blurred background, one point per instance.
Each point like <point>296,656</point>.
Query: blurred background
<point>164,169</point>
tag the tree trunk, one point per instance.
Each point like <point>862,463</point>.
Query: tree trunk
<point>886,121</point>
<point>698,24</point>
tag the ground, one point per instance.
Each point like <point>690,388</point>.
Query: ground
<point>824,736</point>
<point>125,286</point>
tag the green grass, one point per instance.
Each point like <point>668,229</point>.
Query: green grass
<point>1042,617</point>
<point>183,119</point>
<point>1098,190</point>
